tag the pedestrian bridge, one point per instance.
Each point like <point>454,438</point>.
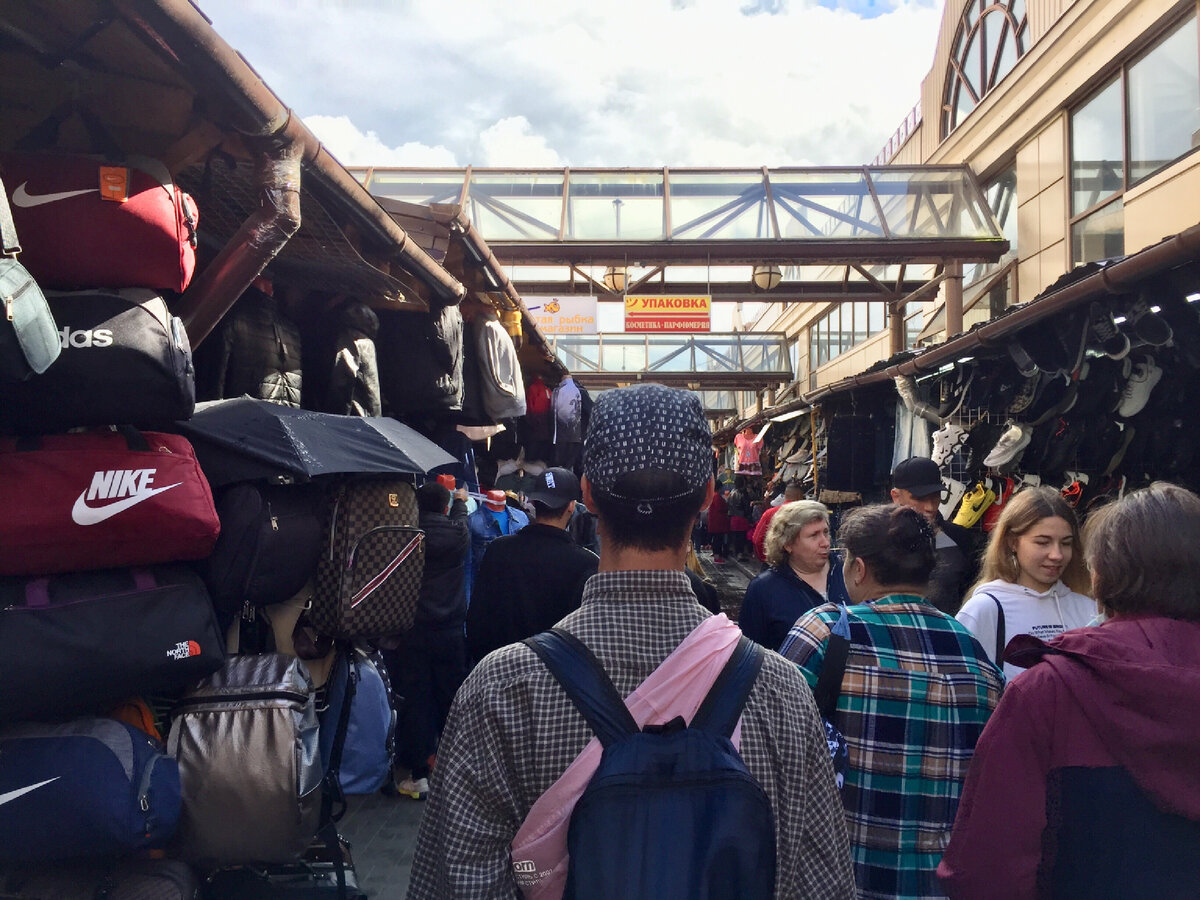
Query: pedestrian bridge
<point>707,362</point>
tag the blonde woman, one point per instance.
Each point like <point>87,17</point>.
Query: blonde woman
<point>1034,579</point>
<point>804,572</point>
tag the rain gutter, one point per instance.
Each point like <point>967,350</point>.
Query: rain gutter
<point>480,249</point>
<point>251,108</point>
<point>1115,278</point>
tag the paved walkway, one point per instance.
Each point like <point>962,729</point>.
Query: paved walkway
<point>383,830</point>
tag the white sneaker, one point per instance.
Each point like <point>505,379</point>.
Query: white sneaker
<point>413,789</point>
<point>1015,439</point>
<point>1137,389</point>
<point>952,494</point>
<point>946,440</point>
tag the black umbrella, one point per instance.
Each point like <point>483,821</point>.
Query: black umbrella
<point>243,438</point>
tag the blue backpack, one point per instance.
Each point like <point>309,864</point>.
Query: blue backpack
<point>365,764</point>
<point>671,813</point>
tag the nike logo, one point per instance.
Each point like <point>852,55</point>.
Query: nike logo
<point>21,792</point>
<point>82,514</point>
<point>26,200</point>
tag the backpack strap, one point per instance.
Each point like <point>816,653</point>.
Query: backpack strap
<point>1001,643</point>
<point>829,680</point>
<point>587,684</point>
<point>723,705</point>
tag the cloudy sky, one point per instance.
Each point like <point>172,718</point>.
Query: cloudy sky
<point>591,82</point>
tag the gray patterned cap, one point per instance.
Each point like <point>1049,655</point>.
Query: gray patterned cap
<point>647,427</point>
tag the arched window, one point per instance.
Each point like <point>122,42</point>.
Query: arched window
<point>992,36</point>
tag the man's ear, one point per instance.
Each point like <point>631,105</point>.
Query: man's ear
<point>895,495</point>
<point>585,488</point>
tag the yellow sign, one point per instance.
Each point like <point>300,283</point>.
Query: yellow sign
<point>668,313</point>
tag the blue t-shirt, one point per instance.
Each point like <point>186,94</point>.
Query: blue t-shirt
<point>501,518</point>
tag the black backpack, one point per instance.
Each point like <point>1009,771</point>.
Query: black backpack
<point>671,813</point>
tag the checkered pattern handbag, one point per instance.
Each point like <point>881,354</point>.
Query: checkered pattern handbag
<point>372,560</point>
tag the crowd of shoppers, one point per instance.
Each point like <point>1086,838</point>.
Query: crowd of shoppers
<point>1005,734</point>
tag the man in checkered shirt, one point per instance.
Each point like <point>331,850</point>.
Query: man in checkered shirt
<point>513,731</point>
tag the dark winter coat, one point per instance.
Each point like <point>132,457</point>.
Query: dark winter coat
<point>258,353</point>
<point>526,582</point>
<point>443,600</point>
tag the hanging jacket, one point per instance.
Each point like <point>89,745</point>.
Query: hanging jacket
<point>258,353</point>
<point>568,413</point>
<point>354,384</point>
<point>1084,781</point>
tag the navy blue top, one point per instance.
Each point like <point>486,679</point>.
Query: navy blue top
<point>777,597</point>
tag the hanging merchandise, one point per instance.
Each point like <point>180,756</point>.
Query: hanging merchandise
<point>749,448</point>
<point>568,423</point>
<point>102,499</point>
<point>29,340</point>
<point>108,225</point>
<point>354,383</point>
<point>421,360</point>
<point>257,352</point>
<point>366,763</point>
<point>501,386</point>
<point>257,708</point>
<point>125,360</point>
<point>538,424</point>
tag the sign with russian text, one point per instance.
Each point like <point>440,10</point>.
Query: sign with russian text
<point>563,315</point>
<point>668,313</point>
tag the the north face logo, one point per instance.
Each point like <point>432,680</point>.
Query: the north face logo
<point>183,650</point>
<point>128,487</point>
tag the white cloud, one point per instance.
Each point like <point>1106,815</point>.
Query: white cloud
<point>574,82</point>
<point>511,143</point>
<point>352,147</point>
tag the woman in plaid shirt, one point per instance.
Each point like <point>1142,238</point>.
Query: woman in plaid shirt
<point>916,693</point>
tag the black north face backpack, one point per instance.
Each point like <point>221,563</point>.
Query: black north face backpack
<point>671,812</point>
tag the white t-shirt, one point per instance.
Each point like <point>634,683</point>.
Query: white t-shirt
<point>1025,612</point>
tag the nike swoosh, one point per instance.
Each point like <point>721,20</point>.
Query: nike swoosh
<point>26,200</point>
<point>82,514</point>
<point>21,792</point>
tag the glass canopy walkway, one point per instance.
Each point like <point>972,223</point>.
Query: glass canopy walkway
<point>716,362</point>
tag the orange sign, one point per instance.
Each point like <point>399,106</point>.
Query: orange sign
<point>668,313</point>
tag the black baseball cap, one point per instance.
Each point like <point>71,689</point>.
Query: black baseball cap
<point>555,488</point>
<point>918,475</point>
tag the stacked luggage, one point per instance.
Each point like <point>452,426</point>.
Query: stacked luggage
<point>112,554</point>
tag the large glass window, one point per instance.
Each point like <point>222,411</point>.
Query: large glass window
<point>1164,102</point>
<point>1097,149</point>
<point>1152,109</point>
<point>992,35</point>
<point>843,328</point>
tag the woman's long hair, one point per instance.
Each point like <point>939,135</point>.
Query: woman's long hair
<point>1024,510</point>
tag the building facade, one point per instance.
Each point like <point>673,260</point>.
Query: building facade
<point>1082,122</point>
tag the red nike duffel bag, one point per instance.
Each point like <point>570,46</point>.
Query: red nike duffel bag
<point>87,223</point>
<point>97,500</point>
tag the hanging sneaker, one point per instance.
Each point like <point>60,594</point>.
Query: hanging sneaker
<point>974,504</point>
<point>1104,333</point>
<point>1072,493</point>
<point>952,494</point>
<point>1025,393</point>
<point>1147,326</point>
<point>1015,439</point>
<point>413,789</point>
<point>1137,389</point>
<point>1002,497</point>
<point>947,440</point>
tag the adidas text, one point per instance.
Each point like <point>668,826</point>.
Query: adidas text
<point>99,337</point>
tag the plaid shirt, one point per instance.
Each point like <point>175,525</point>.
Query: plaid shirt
<point>916,693</point>
<point>513,731</point>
